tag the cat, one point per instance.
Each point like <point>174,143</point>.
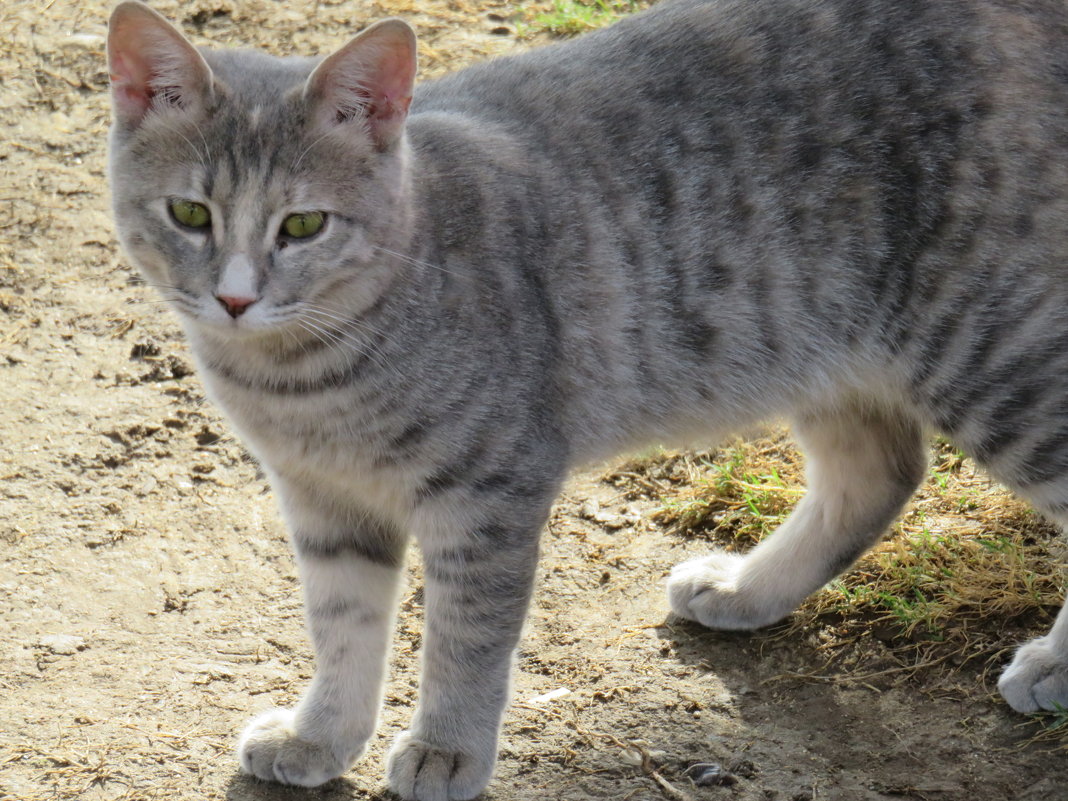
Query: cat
<point>420,307</point>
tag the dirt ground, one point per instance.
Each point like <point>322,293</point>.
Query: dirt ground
<point>149,605</point>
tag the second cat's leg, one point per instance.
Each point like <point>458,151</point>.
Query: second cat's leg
<point>350,570</point>
<point>863,464</point>
<point>479,572</point>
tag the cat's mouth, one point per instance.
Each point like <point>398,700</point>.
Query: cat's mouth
<point>235,316</point>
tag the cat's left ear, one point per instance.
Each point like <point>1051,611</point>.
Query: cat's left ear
<point>153,66</point>
<point>369,80</point>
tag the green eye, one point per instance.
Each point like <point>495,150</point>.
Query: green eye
<point>190,214</point>
<point>304,224</point>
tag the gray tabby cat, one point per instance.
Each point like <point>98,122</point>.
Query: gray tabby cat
<point>851,212</point>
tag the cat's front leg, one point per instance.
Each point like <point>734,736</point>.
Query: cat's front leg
<point>350,568</point>
<point>478,583</point>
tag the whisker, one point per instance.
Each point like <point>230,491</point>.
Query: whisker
<point>201,157</point>
<point>355,322</point>
<point>417,262</point>
<point>296,340</point>
<point>341,339</point>
<point>331,341</point>
<point>308,150</point>
<point>204,139</point>
<point>364,346</point>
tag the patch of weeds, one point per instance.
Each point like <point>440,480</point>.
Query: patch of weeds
<point>1052,727</point>
<point>734,497</point>
<point>967,572</point>
<point>573,17</point>
<point>962,589</point>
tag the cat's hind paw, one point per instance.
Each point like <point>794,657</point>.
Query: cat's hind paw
<point>1036,679</point>
<point>270,749</point>
<point>710,591</point>
<point>418,771</point>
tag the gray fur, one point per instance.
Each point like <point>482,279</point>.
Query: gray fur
<point>849,212</point>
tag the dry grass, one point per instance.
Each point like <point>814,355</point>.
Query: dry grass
<point>966,572</point>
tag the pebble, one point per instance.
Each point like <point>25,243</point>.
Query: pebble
<point>63,644</point>
<point>710,774</point>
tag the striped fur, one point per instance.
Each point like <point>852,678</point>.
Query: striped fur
<point>852,213</point>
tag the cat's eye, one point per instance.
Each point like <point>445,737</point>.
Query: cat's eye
<point>190,214</point>
<point>303,224</point>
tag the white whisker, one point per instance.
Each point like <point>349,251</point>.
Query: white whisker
<point>339,339</point>
<point>416,262</point>
<point>308,150</point>
<point>346,321</point>
<point>201,157</point>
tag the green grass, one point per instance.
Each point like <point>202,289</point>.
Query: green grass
<point>729,498</point>
<point>573,17</point>
<point>965,573</point>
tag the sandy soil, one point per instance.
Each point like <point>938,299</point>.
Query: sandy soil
<point>148,602</point>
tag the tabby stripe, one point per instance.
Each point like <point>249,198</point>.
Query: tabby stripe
<point>327,382</point>
<point>378,550</point>
<point>357,610</point>
<point>1048,459</point>
<point>456,473</point>
<point>934,345</point>
<point>763,318</point>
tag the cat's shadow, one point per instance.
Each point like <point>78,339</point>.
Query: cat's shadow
<point>690,644</point>
<point>742,660</point>
<point>245,788</point>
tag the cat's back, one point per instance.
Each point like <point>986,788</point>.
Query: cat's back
<point>719,55</point>
<point>797,86</point>
<point>838,178</point>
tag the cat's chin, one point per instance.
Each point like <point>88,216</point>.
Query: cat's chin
<point>239,331</point>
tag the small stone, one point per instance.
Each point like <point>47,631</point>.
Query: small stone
<point>589,510</point>
<point>610,521</point>
<point>62,644</point>
<point>744,768</point>
<point>710,774</point>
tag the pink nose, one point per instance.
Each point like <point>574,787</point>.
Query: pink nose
<point>235,306</point>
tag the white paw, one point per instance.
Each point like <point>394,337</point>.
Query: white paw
<point>709,590</point>
<point>421,772</point>
<point>270,749</point>
<point>1036,679</point>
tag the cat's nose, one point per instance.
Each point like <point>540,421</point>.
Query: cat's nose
<point>235,305</point>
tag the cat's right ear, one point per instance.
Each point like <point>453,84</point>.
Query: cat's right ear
<point>369,82</point>
<point>152,66</point>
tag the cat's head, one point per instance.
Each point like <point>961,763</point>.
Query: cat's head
<point>250,189</point>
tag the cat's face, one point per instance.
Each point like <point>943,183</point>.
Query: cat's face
<point>255,192</point>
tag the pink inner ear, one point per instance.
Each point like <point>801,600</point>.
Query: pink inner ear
<point>371,79</point>
<point>150,61</point>
<point>130,86</point>
<point>394,78</point>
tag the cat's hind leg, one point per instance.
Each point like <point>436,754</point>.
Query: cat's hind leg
<point>1036,679</point>
<point>863,463</point>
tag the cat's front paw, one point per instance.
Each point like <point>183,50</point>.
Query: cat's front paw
<point>710,591</point>
<point>271,749</point>
<point>418,771</point>
<point>1036,679</point>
